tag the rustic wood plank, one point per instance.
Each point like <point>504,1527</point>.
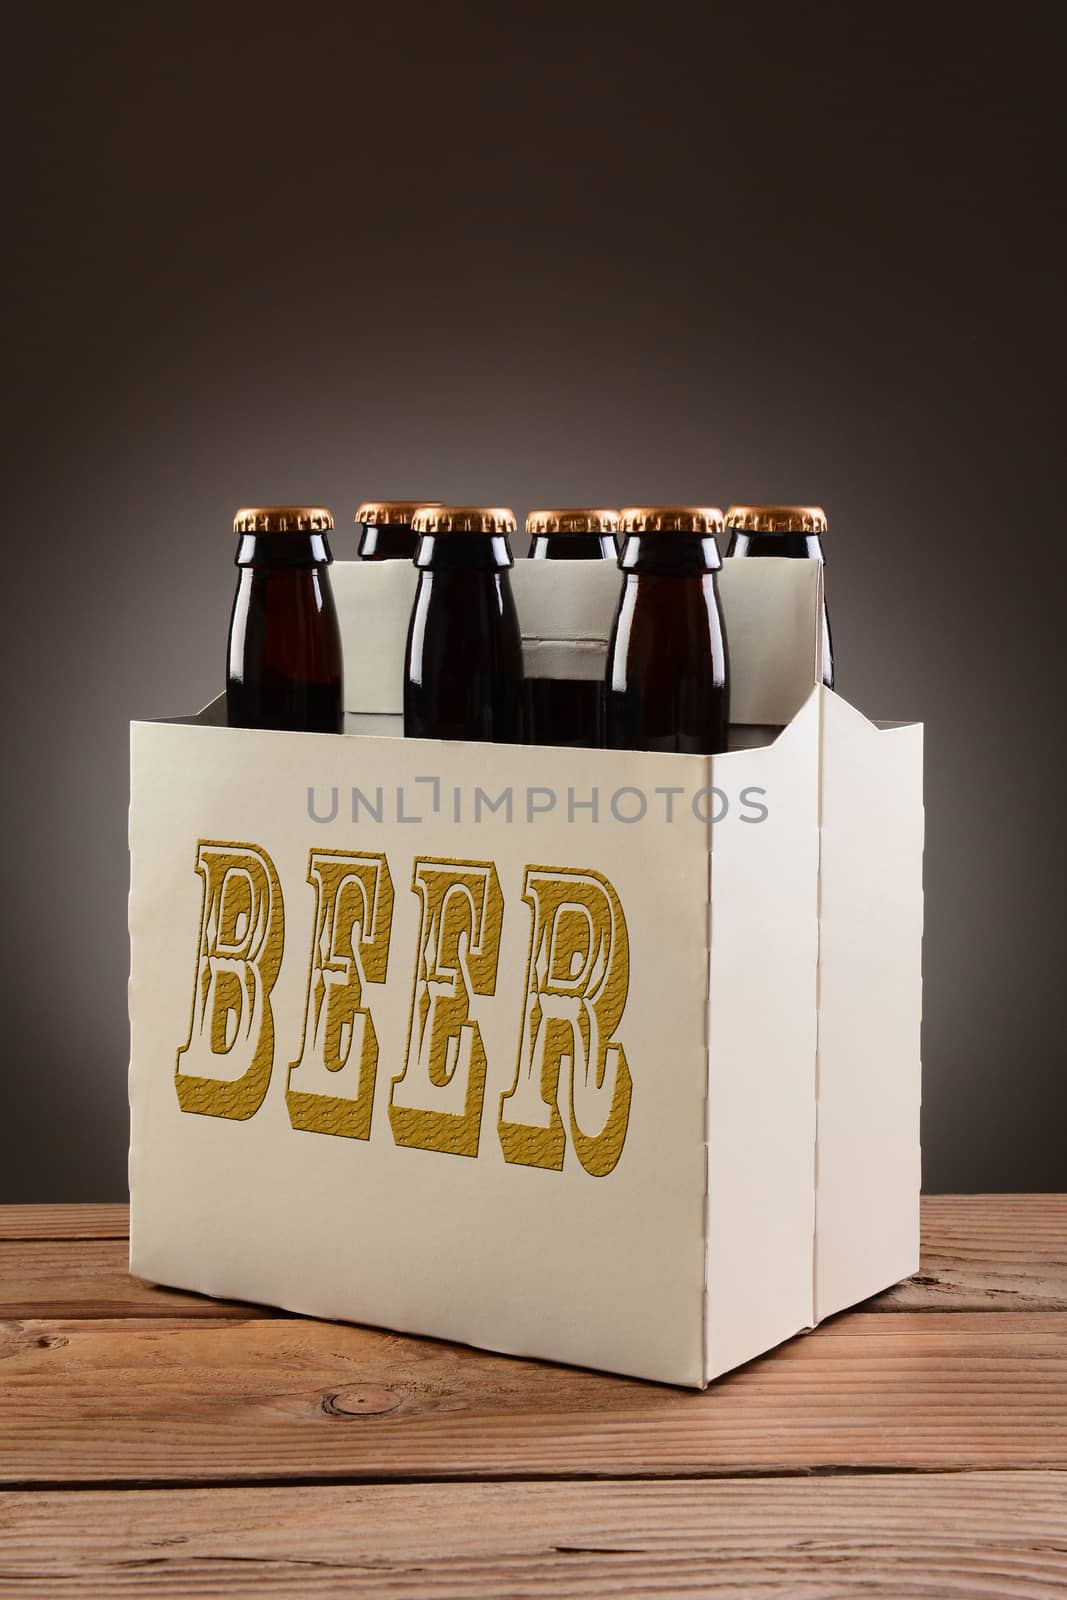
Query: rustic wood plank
<point>188,1402</point>
<point>65,1222</point>
<point>980,1253</point>
<point>959,1535</point>
<point>69,1278</point>
<point>987,1252</point>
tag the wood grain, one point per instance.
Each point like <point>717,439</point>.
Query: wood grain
<point>70,1278</point>
<point>325,1459</point>
<point>287,1399</point>
<point>65,1222</point>
<point>980,1253</point>
<point>964,1536</point>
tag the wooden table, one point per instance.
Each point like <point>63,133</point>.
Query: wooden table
<point>156,1443</point>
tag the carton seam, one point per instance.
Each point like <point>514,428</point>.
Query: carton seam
<point>705,1309</point>
<point>813,1307</point>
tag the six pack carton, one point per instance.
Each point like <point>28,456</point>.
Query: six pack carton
<point>598,1056</point>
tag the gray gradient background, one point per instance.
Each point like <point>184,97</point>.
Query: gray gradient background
<point>535,254</point>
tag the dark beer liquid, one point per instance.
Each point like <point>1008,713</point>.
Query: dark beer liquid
<point>567,711</point>
<point>387,541</point>
<point>463,677</point>
<point>667,686</point>
<point>284,667</point>
<point>802,546</point>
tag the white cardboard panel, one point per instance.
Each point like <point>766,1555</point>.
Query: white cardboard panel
<point>761,1047</point>
<point>572,600</point>
<point>582,659</point>
<point>213,715</point>
<point>772,612</point>
<point>377,724</point>
<point>772,609</point>
<point>602,1271</point>
<point>870,1003</point>
<point>373,600</point>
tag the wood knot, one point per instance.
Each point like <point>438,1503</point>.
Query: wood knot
<point>361,1400</point>
<point>16,1338</point>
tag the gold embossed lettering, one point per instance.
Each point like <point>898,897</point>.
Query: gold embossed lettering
<point>224,1068</point>
<point>436,1102</point>
<point>331,1083</point>
<point>577,978</point>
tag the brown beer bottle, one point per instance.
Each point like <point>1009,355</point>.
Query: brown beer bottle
<point>667,683</point>
<point>387,532</point>
<point>284,663</point>
<point>463,673</point>
<point>794,531</point>
<point>569,711</point>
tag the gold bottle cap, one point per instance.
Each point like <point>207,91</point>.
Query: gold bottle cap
<point>670,519</point>
<point>573,519</point>
<point>463,519</point>
<point>391,513</point>
<point>282,519</point>
<point>777,519</point>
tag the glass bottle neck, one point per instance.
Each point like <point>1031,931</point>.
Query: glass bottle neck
<point>470,552</point>
<point>572,547</point>
<point>388,541</point>
<point>677,555</point>
<point>281,550</point>
<point>802,545</point>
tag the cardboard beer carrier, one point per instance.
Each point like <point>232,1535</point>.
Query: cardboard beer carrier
<point>599,1056</point>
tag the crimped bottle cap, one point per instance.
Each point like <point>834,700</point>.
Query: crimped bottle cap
<point>777,519</point>
<point>391,513</point>
<point>463,519</point>
<point>282,519</point>
<point>670,519</point>
<point>573,519</point>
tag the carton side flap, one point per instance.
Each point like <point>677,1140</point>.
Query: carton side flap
<point>870,1002</point>
<point>761,1050</point>
<point>847,716</point>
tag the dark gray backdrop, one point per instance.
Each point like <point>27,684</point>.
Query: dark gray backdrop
<point>533,254</point>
